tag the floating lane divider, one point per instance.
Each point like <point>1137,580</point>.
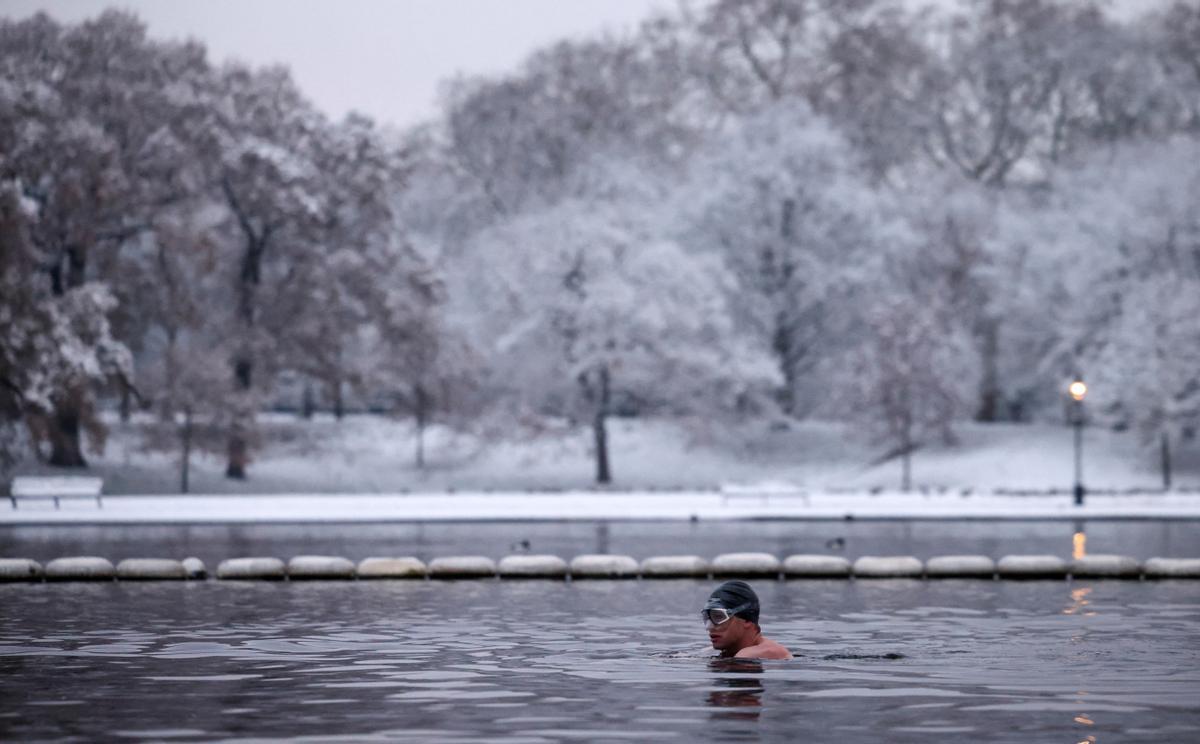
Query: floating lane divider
<point>407,567</point>
<point>960,567</point>
<point>151,569</point>
<point>462,567</point>
<point>1032,567</point>
<point>266,569</point>
<point>675,567</point>
<point>532,567</point>
<point>1172,568</point>
<point>748,565</point>
<point>80,568</point>
<point>888,567</point>
<point>603,566</point>
<point>1105,567</point>
<point>20,569</point>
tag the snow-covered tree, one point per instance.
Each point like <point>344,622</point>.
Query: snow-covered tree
<point>591,306</point>
<point>54,346</point>
<point>914,374</point>
<point>782,200</point>
<point>1132,236</point>
<point>85,151</point>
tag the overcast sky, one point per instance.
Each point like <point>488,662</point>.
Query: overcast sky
<point>385,58</point>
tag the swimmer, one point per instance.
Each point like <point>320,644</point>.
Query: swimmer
<point>731,617</point>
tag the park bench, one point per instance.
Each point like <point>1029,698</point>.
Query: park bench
<point>55,487</point>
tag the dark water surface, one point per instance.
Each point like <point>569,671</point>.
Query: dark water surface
<point>619,661</point>
<point>214,543</point>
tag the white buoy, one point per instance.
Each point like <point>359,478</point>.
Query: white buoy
<point>960,567</point>
<point>816,567</point>
<point>1106,567</point>
<point>674,567</point>
<point>150,569</point>
<point>305,567</point>
<point>888,567</point>
<point>532,567</point>
<point>194,568</point>
<point>462,567</point>
<point>20,569</point>
<point>406,567</point>
<point>745,564</point>
<point>1031,567</point>
<point>80,568</point>
<point>269,569</point>
<point>604,567</point>
<point>1172,568</point>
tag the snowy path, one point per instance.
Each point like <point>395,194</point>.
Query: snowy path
<point>591,505</point>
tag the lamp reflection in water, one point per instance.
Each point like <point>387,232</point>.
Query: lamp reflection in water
<point>1079,600</point>
<point>737,695</point>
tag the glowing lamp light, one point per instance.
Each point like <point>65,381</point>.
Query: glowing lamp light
<point>1077,390</point>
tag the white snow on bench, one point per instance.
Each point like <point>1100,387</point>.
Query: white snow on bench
<point>55,487</point>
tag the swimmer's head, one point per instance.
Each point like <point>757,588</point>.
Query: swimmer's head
<point>731,617</point>
<point>735,597</point>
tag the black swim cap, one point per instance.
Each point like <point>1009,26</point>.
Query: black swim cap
<point>733,594</point>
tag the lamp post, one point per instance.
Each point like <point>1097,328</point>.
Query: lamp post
<point>1078,391</point>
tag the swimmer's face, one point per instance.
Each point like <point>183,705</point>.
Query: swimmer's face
<point>730,633</point>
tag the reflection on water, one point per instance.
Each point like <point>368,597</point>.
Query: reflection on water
<point>1078,601</point>
<point>531,662</point>
<point>737,695</point>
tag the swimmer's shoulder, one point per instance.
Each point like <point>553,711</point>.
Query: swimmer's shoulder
<point>768,649</point>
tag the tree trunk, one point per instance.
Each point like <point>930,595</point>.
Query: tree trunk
<point>989,394</point>
<point>339,403</point>
<point>66,448</point>
<point>239,447</point>
<point>238,452</point>
<point>1166,461</point>
<point>307,404</point>
<point>422,412</point>
<point>600,432</point>
<point>906,461</point>
<point>64,435</point>
<point>783,345</point>
<point>126,403</point>
<point>243,365</point>
<point>185,462</point>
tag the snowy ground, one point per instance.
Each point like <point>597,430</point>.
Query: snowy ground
<point>368,454</point>
<point>591,505</point>
<point>662,471</point>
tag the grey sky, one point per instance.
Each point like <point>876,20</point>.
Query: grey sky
<point>385,58</point>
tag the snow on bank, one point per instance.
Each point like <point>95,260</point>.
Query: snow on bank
<point>591,505</point>
<point>369,454</point>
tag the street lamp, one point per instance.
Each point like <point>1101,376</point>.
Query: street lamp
<point>1078,391</point>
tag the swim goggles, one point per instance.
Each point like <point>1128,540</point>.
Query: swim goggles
<point>714,616</point>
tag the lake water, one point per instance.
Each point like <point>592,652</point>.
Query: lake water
<point>540,661</point>
<point>924,539</point>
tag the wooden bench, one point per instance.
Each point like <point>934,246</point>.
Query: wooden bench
<point>55,487</point>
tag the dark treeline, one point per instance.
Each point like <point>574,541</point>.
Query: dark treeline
<point>772,209</point>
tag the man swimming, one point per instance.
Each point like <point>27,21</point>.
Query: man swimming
<point>731,617</point>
